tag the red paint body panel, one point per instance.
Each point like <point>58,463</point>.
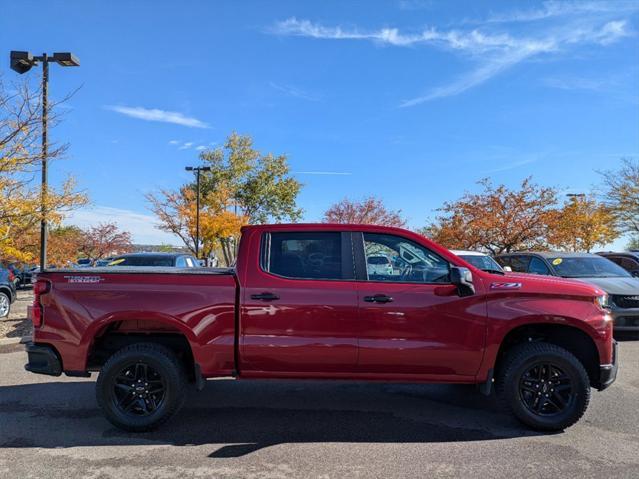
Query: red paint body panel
<point>317,328</point>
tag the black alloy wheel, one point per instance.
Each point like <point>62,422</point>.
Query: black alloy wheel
<point>138,390</point>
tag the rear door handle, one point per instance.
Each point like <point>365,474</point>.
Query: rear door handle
<point>265,296</point>
<point>378,298</point>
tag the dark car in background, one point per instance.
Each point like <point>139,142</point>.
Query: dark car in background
<point>165,260</point>
<point>23,274</point>
<point>7,291</point>
<point>628,260</point>
<point>621,286</point>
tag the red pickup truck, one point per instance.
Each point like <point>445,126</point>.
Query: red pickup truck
<point>305,302</point>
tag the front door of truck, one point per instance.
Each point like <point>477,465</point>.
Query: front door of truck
<point>412,321</point>
<point>299,305</point>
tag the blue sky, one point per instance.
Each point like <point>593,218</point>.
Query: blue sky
<point>412,101</point>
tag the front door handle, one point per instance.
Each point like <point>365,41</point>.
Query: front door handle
<point>378,298</point>
<point>265,296</point>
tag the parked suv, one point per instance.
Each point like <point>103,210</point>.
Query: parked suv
<point>7,291</point>
<point>621,286</point>
<point>628,260</point>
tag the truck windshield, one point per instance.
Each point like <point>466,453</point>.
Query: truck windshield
<point>587,267</point>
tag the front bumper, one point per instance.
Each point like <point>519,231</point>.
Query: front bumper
<point>625,319</point>
<point>608,372</point>
<point>43,360</point>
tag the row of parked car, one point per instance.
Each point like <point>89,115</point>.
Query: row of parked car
<point>616,273</point>
<point>13,276</point>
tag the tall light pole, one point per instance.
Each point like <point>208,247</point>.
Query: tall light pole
<point>198,170</point>
<point>22,62</point>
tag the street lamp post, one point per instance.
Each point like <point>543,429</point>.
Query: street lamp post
<point>198,170</point>
<point>22,62</point>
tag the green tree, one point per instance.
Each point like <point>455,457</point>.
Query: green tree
<point>633,244</point>
<point>622,195</point>
<point>259,185</point>
<point>253,186</point>
<point>243,187</point>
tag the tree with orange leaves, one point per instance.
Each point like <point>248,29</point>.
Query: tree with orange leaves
<point>20,157</point>
<point>582,224</point>
<point>243,187</point>
<point>497,219</point>
<point>176,212</point>
<point>370,211</point>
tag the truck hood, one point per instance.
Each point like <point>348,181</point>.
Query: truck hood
<point>551,284</point>
<point>622,286</point>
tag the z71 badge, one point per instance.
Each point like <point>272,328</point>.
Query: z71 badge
<point>84,279</point>
<point>505,285</point>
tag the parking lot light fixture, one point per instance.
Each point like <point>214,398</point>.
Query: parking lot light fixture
<point>66,59</point>
<point>21,62</point>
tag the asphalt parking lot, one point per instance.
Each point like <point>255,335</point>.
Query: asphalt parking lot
<point>52,427</point>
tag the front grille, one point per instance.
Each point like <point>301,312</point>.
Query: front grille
<point>626,301</point>
<point>627,321</point>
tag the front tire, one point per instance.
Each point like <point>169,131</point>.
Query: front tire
<point>544,386</point>
<point>5,305</point>
<point>141,386</point>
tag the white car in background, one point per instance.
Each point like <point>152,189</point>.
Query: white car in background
<point>480,260</point>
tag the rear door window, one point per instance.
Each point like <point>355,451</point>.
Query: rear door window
<point>304,255</point>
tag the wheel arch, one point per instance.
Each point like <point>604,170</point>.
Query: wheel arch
<point>115,332</point>
<point>569,337</point>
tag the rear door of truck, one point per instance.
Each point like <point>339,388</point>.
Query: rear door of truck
<point>298,303</point>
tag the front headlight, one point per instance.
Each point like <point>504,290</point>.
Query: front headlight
<point>603,301</point>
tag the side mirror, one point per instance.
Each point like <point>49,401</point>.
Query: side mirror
<point>508,268</point>
<point>463,279</point>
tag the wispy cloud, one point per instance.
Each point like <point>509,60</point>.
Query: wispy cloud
<point>555,8</point>
<point>575,83</point>
<point>512,165</point>
<point>154,114</point>
<point>492,52</point>
<point>187,145</point>
<point>294,92</point>
<point>326,173</point>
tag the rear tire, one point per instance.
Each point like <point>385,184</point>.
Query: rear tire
<point>141,386</point>
<point>544,386</point>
